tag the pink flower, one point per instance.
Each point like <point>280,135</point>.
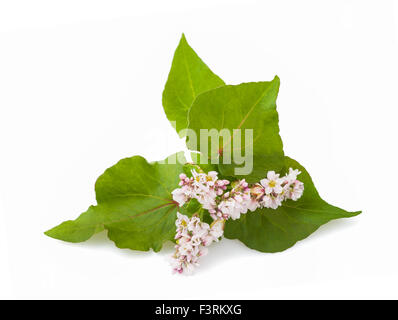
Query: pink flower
<point>271,201</point>
<point>181,195</point>
<point>192,237</point>
<point>295,190</point>
<point>272,184</point>
<point>217,229</point>
<point>257,191</point>
<point>292,176</point>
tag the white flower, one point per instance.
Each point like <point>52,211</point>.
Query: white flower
<point>257,191</point>
<point>295,190</point>
<point>227,208</point>
<point>211,178</point>
<point>181,195</point>
<point>252,205</point>
<point>207,198</point>
<point>272,183</point>
<point>199,179</point>
<point>182,220</point>
<point>208,240</point>
<point>217,228</point>
<point>185,247</point>
<point>271,201</point>
<point>292,176</point>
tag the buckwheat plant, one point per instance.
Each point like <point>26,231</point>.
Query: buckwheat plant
<point>237,182</point>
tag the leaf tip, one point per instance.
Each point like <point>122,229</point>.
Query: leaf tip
<point>183,38</point>
<point>356,213</point>
<point>49,233</point>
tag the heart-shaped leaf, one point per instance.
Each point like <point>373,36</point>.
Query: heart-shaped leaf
<point>134,205</point>
<point>189,76</point>
<point>246,120</point>
<point>270,230</point>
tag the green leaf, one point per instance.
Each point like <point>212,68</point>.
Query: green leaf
<point>81,229</point>
<point>191,207</point>
<point>134,205</point>
<point>271,230</point>
<point>189,76</point>
<point>245,106</point>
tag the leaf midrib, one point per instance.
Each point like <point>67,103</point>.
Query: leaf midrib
<point>128,195</point>
<point>188,72</point>
<point>84,226</point>
<point>248,113</point>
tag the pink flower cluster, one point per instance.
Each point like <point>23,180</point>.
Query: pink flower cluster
<point>223,200</point>
<point>235,202</point>
<point>203,187</point>
<point>273,190</point>
<point>213,195</point>
<point>192,237</point>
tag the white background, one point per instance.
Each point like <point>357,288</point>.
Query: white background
<point>80,88</point>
